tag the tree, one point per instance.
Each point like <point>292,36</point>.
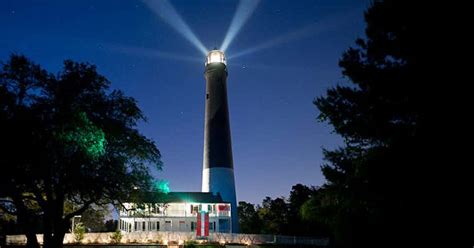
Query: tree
<point>248,218</point>
<point>274,216</point>
<point>67,137</point>
<point>298,196</point>
<point>94,218</point>
<point>376,182</point>
<point>111,225</point>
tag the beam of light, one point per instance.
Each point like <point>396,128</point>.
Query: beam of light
<point>150,53</point>
<point>309,30</point>
<point>291,36</point>
<point>166,11</point>
<point>242,14</point>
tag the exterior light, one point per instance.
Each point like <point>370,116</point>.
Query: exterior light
<point>216,56</point>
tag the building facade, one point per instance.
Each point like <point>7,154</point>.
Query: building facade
<point>176,212</point>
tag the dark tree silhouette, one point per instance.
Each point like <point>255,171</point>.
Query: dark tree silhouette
<point>248,218</point>
<point>273,215</point>
<point>111,225</point>
<point>376,187</point>
<point>94,218</point>
<point>298,215</point>
<point>66,137</point>
<point>299,194</point>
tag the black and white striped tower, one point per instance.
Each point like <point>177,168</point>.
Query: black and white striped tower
<point>218,166</point>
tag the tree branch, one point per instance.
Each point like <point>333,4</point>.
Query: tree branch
<point>79,211</point>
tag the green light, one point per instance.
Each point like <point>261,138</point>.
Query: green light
<point>86,136</point>
<point>161,186</point>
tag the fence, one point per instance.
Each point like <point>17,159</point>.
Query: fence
<point>165,237</point>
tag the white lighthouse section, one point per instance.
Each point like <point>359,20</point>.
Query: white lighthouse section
<point>221,180</point>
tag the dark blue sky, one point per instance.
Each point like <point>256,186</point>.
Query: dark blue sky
<point>276,139</point>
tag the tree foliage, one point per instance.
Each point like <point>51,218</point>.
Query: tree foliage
<point>94,218</point>
<point>67,137</point>
<point>374,182</point>
<point>248,218</point>
<point>284,216</point>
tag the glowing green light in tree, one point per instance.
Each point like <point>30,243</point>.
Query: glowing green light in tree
<point>161,186</point>
<point>86,136</point>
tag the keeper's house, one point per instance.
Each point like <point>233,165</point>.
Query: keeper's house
<point>177,212</point>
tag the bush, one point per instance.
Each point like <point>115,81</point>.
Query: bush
<point>190,243</point>
<point>116,237</point>
<point>79,231</point>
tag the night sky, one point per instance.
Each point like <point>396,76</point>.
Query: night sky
<point>284,56</point>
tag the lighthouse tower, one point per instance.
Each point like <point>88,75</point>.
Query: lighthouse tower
<point>218,166</point>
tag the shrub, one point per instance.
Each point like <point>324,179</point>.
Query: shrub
<point>116,237</point>
<point>79,231</point>
<point>190,243</point>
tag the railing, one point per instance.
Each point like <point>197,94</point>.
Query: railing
<point>165,237</point>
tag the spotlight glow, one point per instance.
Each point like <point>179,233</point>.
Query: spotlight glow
<point>243,12</point>
<point>215,56</point>
<point>149,53</point>
<point>166,11</point>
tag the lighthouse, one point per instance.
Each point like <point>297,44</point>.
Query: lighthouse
<point>218,166</point>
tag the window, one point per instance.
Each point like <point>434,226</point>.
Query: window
<point>143,226</point>
<point>136,226</point>
<point>157,225</point>
<point>193,225</point>
<point>212,226</point>
<point>194,209</point>
<point>207,96</point>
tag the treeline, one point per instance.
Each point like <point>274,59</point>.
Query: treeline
<point>293,216</point>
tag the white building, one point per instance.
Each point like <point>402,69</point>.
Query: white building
<point>176,212</point>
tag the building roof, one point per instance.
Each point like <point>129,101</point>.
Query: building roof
<point>198,197</point>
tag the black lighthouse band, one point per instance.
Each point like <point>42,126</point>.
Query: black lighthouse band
<point>217,144</point>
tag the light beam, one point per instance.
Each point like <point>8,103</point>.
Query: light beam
<point>291,36</point>
<point>242,14</point>
<point>150,53</point>
<point>309,30</point>
<point>166,11</point>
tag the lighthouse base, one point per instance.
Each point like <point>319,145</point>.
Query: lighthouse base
<point>221,180</point>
